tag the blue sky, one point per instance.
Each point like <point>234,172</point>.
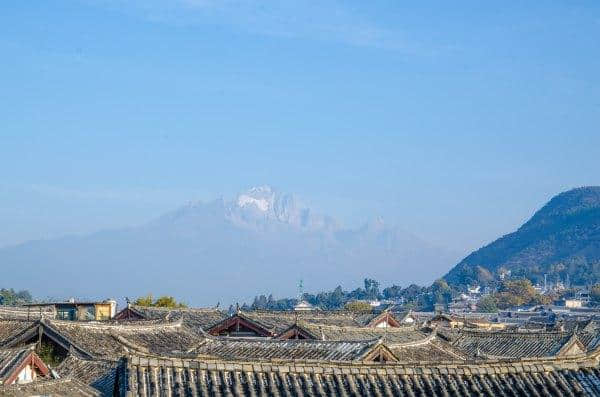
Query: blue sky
<point>454,119</point>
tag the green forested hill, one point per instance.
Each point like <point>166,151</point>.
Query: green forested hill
<point>562,238</point>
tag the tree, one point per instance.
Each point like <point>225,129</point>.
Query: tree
<point>144,300</point>
<point>441,291</point>
<point>168,301</point>
<point>487,304</point>
<point>519,292</point>
<point>260,303</point>
<point>395,291</point>
<point>13,298</point>
<point>371,289</point>
<point>412,292</point>
<point>358,307</point>
<point>163,301</point>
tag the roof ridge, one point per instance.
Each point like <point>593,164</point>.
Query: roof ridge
<point>274,341</point>
<point>536,364</point>
<point>110,325</point>
<point>191,309</point>
<point>362,327</point>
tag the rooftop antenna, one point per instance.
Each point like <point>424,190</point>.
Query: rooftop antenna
<point>300,290</point>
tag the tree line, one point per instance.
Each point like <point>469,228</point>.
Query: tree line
<point>412,296</point>
<point>10,297</point>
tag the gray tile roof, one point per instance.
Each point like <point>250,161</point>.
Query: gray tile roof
<point>195,319</point>
<point>158,376</point>
<point>276,322</point>
<point>391,335</point>
<point>280,321</point>
<point>54,388</point>
<point>433,350</point>
<point>12,327</point>
<point>510,344</point>
<point>273,349</point>
<point>105,340</point>
<point>99,374</point>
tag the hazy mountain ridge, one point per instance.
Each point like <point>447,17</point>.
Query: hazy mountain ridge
<point>562,238</point>
<point>204,252</point>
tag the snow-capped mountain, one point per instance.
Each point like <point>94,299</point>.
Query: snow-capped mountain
<point>260,241</point>
<point>259,207</point>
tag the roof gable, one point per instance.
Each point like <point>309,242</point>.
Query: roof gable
<point>573,347</point>
<point>240,323</point>
<point>298,331</point>
<point>13,361</point>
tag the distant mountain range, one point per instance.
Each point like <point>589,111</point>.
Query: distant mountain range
<point>263,241</point>
<point>561,240</point>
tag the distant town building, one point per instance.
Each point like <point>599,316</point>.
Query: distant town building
<point>303,306</point>
<point>79,311</point>
<point>573,303</point>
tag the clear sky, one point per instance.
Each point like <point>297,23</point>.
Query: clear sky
<point>454,119</point>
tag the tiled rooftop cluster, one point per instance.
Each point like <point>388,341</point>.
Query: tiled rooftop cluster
<point>161,352</point>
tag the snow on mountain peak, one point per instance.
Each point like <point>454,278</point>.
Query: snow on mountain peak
<point>262,204</point>
<point>264,207</point>
<point>261,197</point>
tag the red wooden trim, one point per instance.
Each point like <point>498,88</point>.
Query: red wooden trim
<point>39,364</point>
<point>391,320</point>
<point>238,320</point>
<point>35,362</point>
<point>294,331</point>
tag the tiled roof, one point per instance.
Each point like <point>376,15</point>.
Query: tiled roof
<point>99,374</point>
<point>272,349</point>
<point>234,378</point>
<point>194,318</point>
<point>433,350</point>
<point>510,344</point>
<point>104,340</point>
<point>279,321</point>
<point>111,340</point>
<point>12,327</point>
<point>391,335</point>
<point>276,322</point>
<point>55,388</point>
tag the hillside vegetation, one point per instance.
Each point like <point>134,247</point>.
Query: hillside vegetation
<point>561,240</point>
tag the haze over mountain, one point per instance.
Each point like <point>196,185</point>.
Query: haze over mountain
<point>262,241</point>
<point>562,238</point>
